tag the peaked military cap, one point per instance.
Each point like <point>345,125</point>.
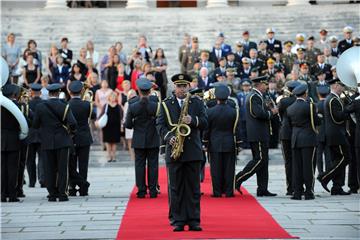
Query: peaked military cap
<point>300,90</point>
<point>181,79</point>
<point>144,84</point>
<point>75,86</point>
<point>35,87</point>
<point>222,92</point>
<point>53,87</point>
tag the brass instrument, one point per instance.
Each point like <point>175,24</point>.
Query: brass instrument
<point>24,96</point>
<point>86,93</point>
<point>286,93</point>
<point>182,130</point>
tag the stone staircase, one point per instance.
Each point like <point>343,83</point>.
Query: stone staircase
<point>165,27</point>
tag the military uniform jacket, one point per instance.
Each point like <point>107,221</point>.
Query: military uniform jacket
<point>326,68</point>
<point>320,108</point>
<point>285,129</point>
<point>288,59</point>
<point>54,124</point>
<point>257,118</point>
<point>10,130</point>
<point>141,117</point>
<point>354,107</point>
<point>34,134</point>
<point>335,118</point>
<point>311,55</point>
<point>82,111</point>
<point>343,45</point>
<point>190,57</point>
<point>169,117</point>
<point>274,47</point>
<point>303,119</point>
<point>222,134</point>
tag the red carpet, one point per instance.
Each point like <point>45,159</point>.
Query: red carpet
<point>225,218</point>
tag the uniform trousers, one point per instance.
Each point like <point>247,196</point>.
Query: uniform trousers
<point>287,155</point>
<point>56,171</point>
<point>222,168</point>
<point>303,170</point>
<point>151,157</point>
<point>259,165</point>
<point>9,173</point>
<point>79,159</point>
<point>35,149</point>
<point>184,182</point>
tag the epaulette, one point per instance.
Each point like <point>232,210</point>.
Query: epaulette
<point>168,99</point>
<point>134,99</point>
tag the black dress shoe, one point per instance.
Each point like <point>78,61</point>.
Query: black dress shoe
<point>63,199</point>
<point>296,197</point>
<point>31,185</point>
<point>14,200</point>
<point>289,193</point>
<point>140,196</point>
<point>323,183</point>
<point>229,195</point>
<point>72,193</point>
<point>195,228</point>
<point>153,195</point>
<point>215,196</point>
<point>42,185</point>
<point>52,199</point>
<point>339,192</point>
<point>354,191</point>
<point>309,196</point>
<point>84,189</point>
<point>178,228</point>
<point>238,187</point>
<point>265,194</point>
<point>3,199</point>
<point>20,195</point>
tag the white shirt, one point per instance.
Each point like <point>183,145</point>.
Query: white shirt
<point>180,100</point>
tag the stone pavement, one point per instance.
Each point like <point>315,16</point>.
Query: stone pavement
<point>98,215</point>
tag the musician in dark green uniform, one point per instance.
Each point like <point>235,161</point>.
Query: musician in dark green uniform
<point>222,140</point>
<point>303,119</point>
<point>183,160</point>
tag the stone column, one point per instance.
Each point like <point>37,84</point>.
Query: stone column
<point>137,4</point>
<point>297,2</point>
<point>216,3</point>
<point>56,4</point>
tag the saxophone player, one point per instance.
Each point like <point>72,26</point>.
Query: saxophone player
<point>179,112</point>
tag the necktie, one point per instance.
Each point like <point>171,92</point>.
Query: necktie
<point>181,103</point>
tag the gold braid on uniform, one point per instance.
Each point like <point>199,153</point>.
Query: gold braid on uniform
<point>312,118</point>
<point>331,114</point>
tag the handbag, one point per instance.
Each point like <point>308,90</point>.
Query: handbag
<point>102,121</point>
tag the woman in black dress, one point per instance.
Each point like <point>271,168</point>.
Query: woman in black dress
<point>111,132</point>
<point>160,64</point>
<point>112,72</point>
<point>31,72</point>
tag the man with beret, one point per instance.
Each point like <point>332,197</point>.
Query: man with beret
<point>241,97</point>
<point>79,158</point>
<point>191,56</point>
<point>273,45</point>
<point>322,148</point>
<point>303,120</point>
<point>183,172</point>
<point>239,53</point>
<point>10,148</point>
<point>311,51</point>
<point>183,49</point>
<point>222,139</point>
<point>335,135</point>
<point>304,73</point>
<point>287,57</point>
<point>323,41</point>
<point>285,133</point>
<point>247,43</point>
<point>347,42</point>
<point>141,116</point>
<point>56,122</point>
<point>34,142</point>
<point>258,118</point>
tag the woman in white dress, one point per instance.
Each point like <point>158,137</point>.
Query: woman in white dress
<point>129,132</point>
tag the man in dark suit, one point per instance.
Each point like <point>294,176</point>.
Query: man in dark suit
<point>335,134</point>
<point>34,142</point>
<point>239,53</point>
<point>322,148</point>
<point>247,43</point>
<point>184,172</point>
<point>303,120</point>
<point>273,45</point>
<point>255,61</point>
<point>55,120</point>
<point>64,52</point>
<point>216,54</point>
<point>258,134</point>
<point>141,117</point>
<point>245,70</point>
<point>221,69</point>
<point>10,148</point>
<point>354,107</point>
<point>222,140</point>
<point>333,40</point>
<point>79,158</point>
<point>204,80</point>
<point>347,42</point>
<point>320,65</point>
<point>285,134</point>
<point>226,48</point>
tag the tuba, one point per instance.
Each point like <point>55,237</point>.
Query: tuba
<point>9,105</point>
<point>182,130</point>
<point>347,68</point>
<point>86,93</point>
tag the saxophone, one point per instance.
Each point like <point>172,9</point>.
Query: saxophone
<point>182,130</point>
